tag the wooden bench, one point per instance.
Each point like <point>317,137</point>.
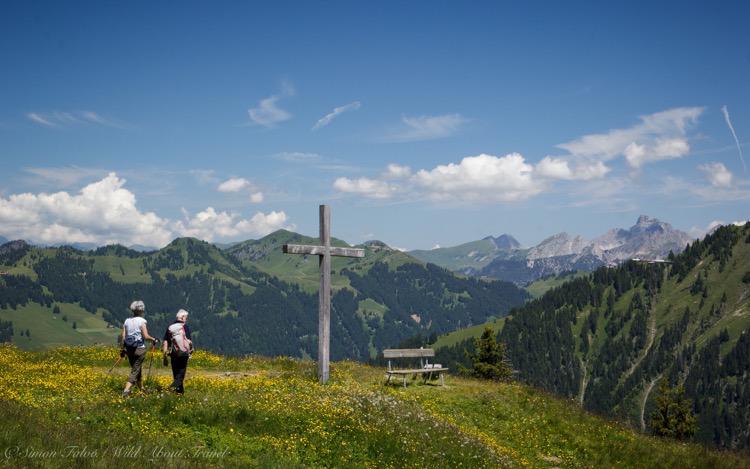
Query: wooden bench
<point>427,370</point>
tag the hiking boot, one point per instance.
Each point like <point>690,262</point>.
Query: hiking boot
<point>126,393</point>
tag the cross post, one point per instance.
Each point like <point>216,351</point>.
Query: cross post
<point>324,251</point>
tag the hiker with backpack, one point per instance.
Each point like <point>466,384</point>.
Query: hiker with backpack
<point>179,345</point>
<point>134,334</point>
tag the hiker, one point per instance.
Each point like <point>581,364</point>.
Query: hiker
<point>178,344</point>
<point>134,334</point>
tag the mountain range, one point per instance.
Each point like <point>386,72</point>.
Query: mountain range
<point>249,298</point>
<point>503,258</point>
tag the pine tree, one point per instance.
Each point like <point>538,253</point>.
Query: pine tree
<point>673,416</point>
<point>56,310</point>
<point>489,359</point>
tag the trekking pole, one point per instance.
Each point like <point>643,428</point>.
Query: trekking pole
<point>150,362</point>
<point>117,362</point>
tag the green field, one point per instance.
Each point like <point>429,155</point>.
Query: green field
<point>539,287</point>
<point>460,335</point>
<point>259,412</point>
<point>49,330</point>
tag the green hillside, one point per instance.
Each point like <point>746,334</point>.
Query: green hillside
<point>266,255</point>
<point>62,409</point>
<point>460,336</point>
<point>251,298</point>
<point>539,287</point>
<point>54,330</point>
<point>536,289</point>
<point>475,255</point>
<point>608,338</point>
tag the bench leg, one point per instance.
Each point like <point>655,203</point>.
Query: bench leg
<point>388,378</point>
<point>404,379</point>
<point>442,379</point>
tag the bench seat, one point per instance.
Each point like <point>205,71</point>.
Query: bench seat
<point>427,370</point>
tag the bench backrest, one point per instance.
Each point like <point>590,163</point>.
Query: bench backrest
<point>408,353</point>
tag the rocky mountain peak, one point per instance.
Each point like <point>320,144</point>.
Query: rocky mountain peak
<point>504,242</point>
<point>645,220</point>
<point>560,244</point>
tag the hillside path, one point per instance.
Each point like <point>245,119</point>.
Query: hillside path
<point>649,342</point>
<point>646,393</point>
<point>584,380</point>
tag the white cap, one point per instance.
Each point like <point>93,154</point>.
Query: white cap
<point>137,306</point>
<point>182,315</point>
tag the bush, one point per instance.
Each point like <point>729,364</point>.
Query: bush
<point>490,360</point>
<point>673,416</point>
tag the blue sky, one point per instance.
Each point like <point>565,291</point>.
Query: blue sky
<point>446,122</point>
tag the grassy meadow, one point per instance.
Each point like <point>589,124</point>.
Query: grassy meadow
<point>61,408</point>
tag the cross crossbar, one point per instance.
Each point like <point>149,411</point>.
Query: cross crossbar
<point>321,250</point>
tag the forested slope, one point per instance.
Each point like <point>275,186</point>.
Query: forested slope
<point>607,338</point>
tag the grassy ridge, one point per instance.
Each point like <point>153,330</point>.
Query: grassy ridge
<point>259,412</point>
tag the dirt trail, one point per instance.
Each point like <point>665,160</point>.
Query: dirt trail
<point>646,393</point>
<point>584,381</point>
<point>649,342</point>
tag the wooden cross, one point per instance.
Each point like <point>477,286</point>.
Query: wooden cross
<point>325,251</point>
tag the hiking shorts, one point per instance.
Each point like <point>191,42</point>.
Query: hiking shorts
<point>136,357</point>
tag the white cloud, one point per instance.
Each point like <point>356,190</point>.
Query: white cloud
<point>106,212</point>
<point>658,136</point>
<point>636,155</point>
<point>373,188</point>
<point>267,113</point>
<point>325,120</point>
<point>678,187</point>
<point>717,174</point>
<point>396,171</point>
<point>210,225</point>
<point>487,178</point>
<point>480,178</point>
<point>554,168</point>
<point>95,118</point>
<point>234,185</point>
<point>427,128</point>
<point>559,168</point>
<point>101,212</point>
<point>256,197</point>
<point>40,119</point>
<point>62,119</point>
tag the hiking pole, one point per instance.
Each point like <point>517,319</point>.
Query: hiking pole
<point>150,362</point>
<point>117,362</point>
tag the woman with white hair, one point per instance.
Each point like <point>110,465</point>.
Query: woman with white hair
<point>133,337</point>
<point>179,345</point>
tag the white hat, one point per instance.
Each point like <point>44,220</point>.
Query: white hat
<point>182,315</point>
<point>137,306</point>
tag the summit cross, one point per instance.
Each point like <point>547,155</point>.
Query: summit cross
<point>324,251</point>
